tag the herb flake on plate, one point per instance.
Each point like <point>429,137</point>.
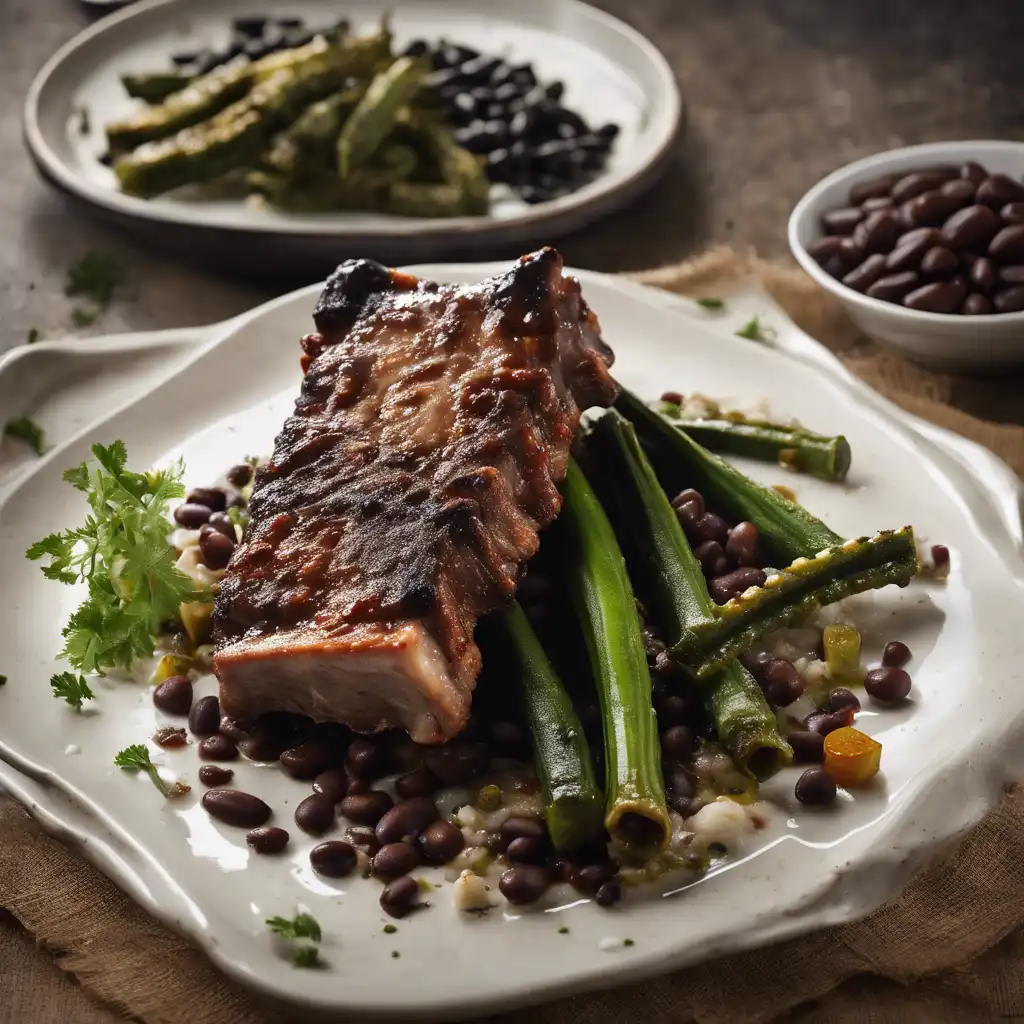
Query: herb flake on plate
<point>21,428</point>
<point>96,275</point>
<point>302,926</point>
<point>710,302</point>
<point>71,688</point>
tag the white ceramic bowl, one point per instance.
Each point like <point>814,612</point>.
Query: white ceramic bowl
<point>939,339</point>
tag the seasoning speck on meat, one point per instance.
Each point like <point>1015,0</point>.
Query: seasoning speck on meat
<point>405,493</point>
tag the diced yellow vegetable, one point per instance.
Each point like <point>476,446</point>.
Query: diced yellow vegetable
<point>852,757</point>
<point>197,618</point>
<point>842,652</point>
<point>170,665</point>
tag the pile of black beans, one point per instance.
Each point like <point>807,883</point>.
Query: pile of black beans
<point>533,143</point>
<point>255,37</point>
<point>941,239</point>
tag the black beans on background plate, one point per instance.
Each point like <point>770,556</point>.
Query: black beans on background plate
<point>394,860</point>
<point>233,807</point>
<point>332,783</point>
<point>315,814</point>
<point>333,859</point>
<point>406,820</point>
<point>366,808</point>
<point>896,654</point>
<point>218,748</point>
<point>940,239</point>
<point>397,898</point>
<point>214,775</point>
<point>887,685</point>
<point>816,788</point>
<point>808,746</point>
<point>267,839</point>
<point>204,718</point>
<point>215,547</point>
<point>307,760</point>
<point>524,883</point>
<point>174,695</point>
<point>532,142</point>
<point>440,841</point>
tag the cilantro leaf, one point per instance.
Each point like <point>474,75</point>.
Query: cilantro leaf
<point>3,680</point>
<point>73,689</point>
<point>302,926</point>
<point>709,302</point>
<point>754,330</point>
<point>122,552</point>
<point>33,336</point>
<point>21,428</point>
<point>307,956</point>
<point>136,758</point>
<point>95,276</point>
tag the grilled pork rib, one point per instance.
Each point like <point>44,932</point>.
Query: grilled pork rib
<point>405,493</point>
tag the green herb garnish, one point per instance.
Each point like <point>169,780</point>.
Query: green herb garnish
<point>754,330</point>
<point>82,317</point>
<point>21,428</point>
<point>3,680</point>
<point>709,302</point>
<point>238,516</point>
<point>95,276</point>
<point>390,929</point>
<point>71,688</point>
<point>563,930</point>
<point>395,954</point>
<point>122,552</point>
<point>302,926</point>
<point>306,956</point>
<point>33,336</point>
<point>628,942</point>
<point>136,759</point>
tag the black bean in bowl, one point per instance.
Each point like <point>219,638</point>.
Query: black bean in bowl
<point>939,238</point>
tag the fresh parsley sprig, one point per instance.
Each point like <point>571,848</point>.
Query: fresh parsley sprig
<point>73,689</point>
<point>302,926</point>
<point>135,758</point>
<point>21,428</point>
<point>122,553</point>
<point>755,330</point>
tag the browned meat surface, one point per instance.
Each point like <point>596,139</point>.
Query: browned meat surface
<point>405,493</point>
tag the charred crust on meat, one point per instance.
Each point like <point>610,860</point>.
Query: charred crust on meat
<point>406,491</point>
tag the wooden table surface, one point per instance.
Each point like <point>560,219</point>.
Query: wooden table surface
<point>779,92</point>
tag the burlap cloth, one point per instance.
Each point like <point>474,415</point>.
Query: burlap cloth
<point>950,947</point>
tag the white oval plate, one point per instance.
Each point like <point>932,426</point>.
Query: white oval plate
<point>947,753</point>
<point>611,74</point>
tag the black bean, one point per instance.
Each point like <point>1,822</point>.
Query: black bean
<point>971,228</point>
<point>333,859</point>
<point>878,232</point>
<point>215,499</point>
<point>815,788</point>
<point>267,839</point>
<point>215,548</point>
<point>939,262</point>
<point>609,894</point>
<point>233,729</point>
<point>307,760</point>
<point>725,587</point>
<point>519,827</point>
<point>458,761</point>
<point>526,850</point>
<point>690,512</point>
<point>204,718</point>
<point>555,91</point>
<point>366,808</point>
<point>174,695</point>
<point>440,841</point>
<point>214,775</point>
<point>417,48</point>
<point>843,221</point>
<point>887,685</point>
<point>983,275</point>
<point>218,748</point>
<point>742,545</point>
<point>406,820</point>
<point>421,782</point>
<point>397,898</point>
<point>191,516</point>
<point>938,297</point>
<point>1009,300</point>
<point>1013,213</point>
<point>673,710</point>
<point>315,814</point>
<point>366,759</point>
<point>841,697</point>
<point>977,304</point>
<point>864,276</point>
<point>589,878</point>
<point>1008,245</point>
<point>808,746</point>
<point>893,287</point>
<point>825,722</point>
<point>678,742</point>
<point>910,248</point>
<point>1011,274</point>
<point>332,783</point>
<point>973,172</point>
<point>710,554</point>
<point>782,683</point>
<point>872,188</point>
<point>233,807</point>
<point>185,57</point>
<point>916,182</point>
<point>266,739</point>
<point>711,527</point>
<point>609,131</point>
<point>249,26</point>
<point>394,860</point>
<point>998,190</point>
<point>896,654</point>
<point>220,522</point>
<point>534,195</point>
<point>524,883</point>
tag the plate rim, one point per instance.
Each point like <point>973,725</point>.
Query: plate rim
<point>604,191</point>
<point>898,860</point>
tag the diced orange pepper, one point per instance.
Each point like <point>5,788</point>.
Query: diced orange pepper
<point>852,757</point>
